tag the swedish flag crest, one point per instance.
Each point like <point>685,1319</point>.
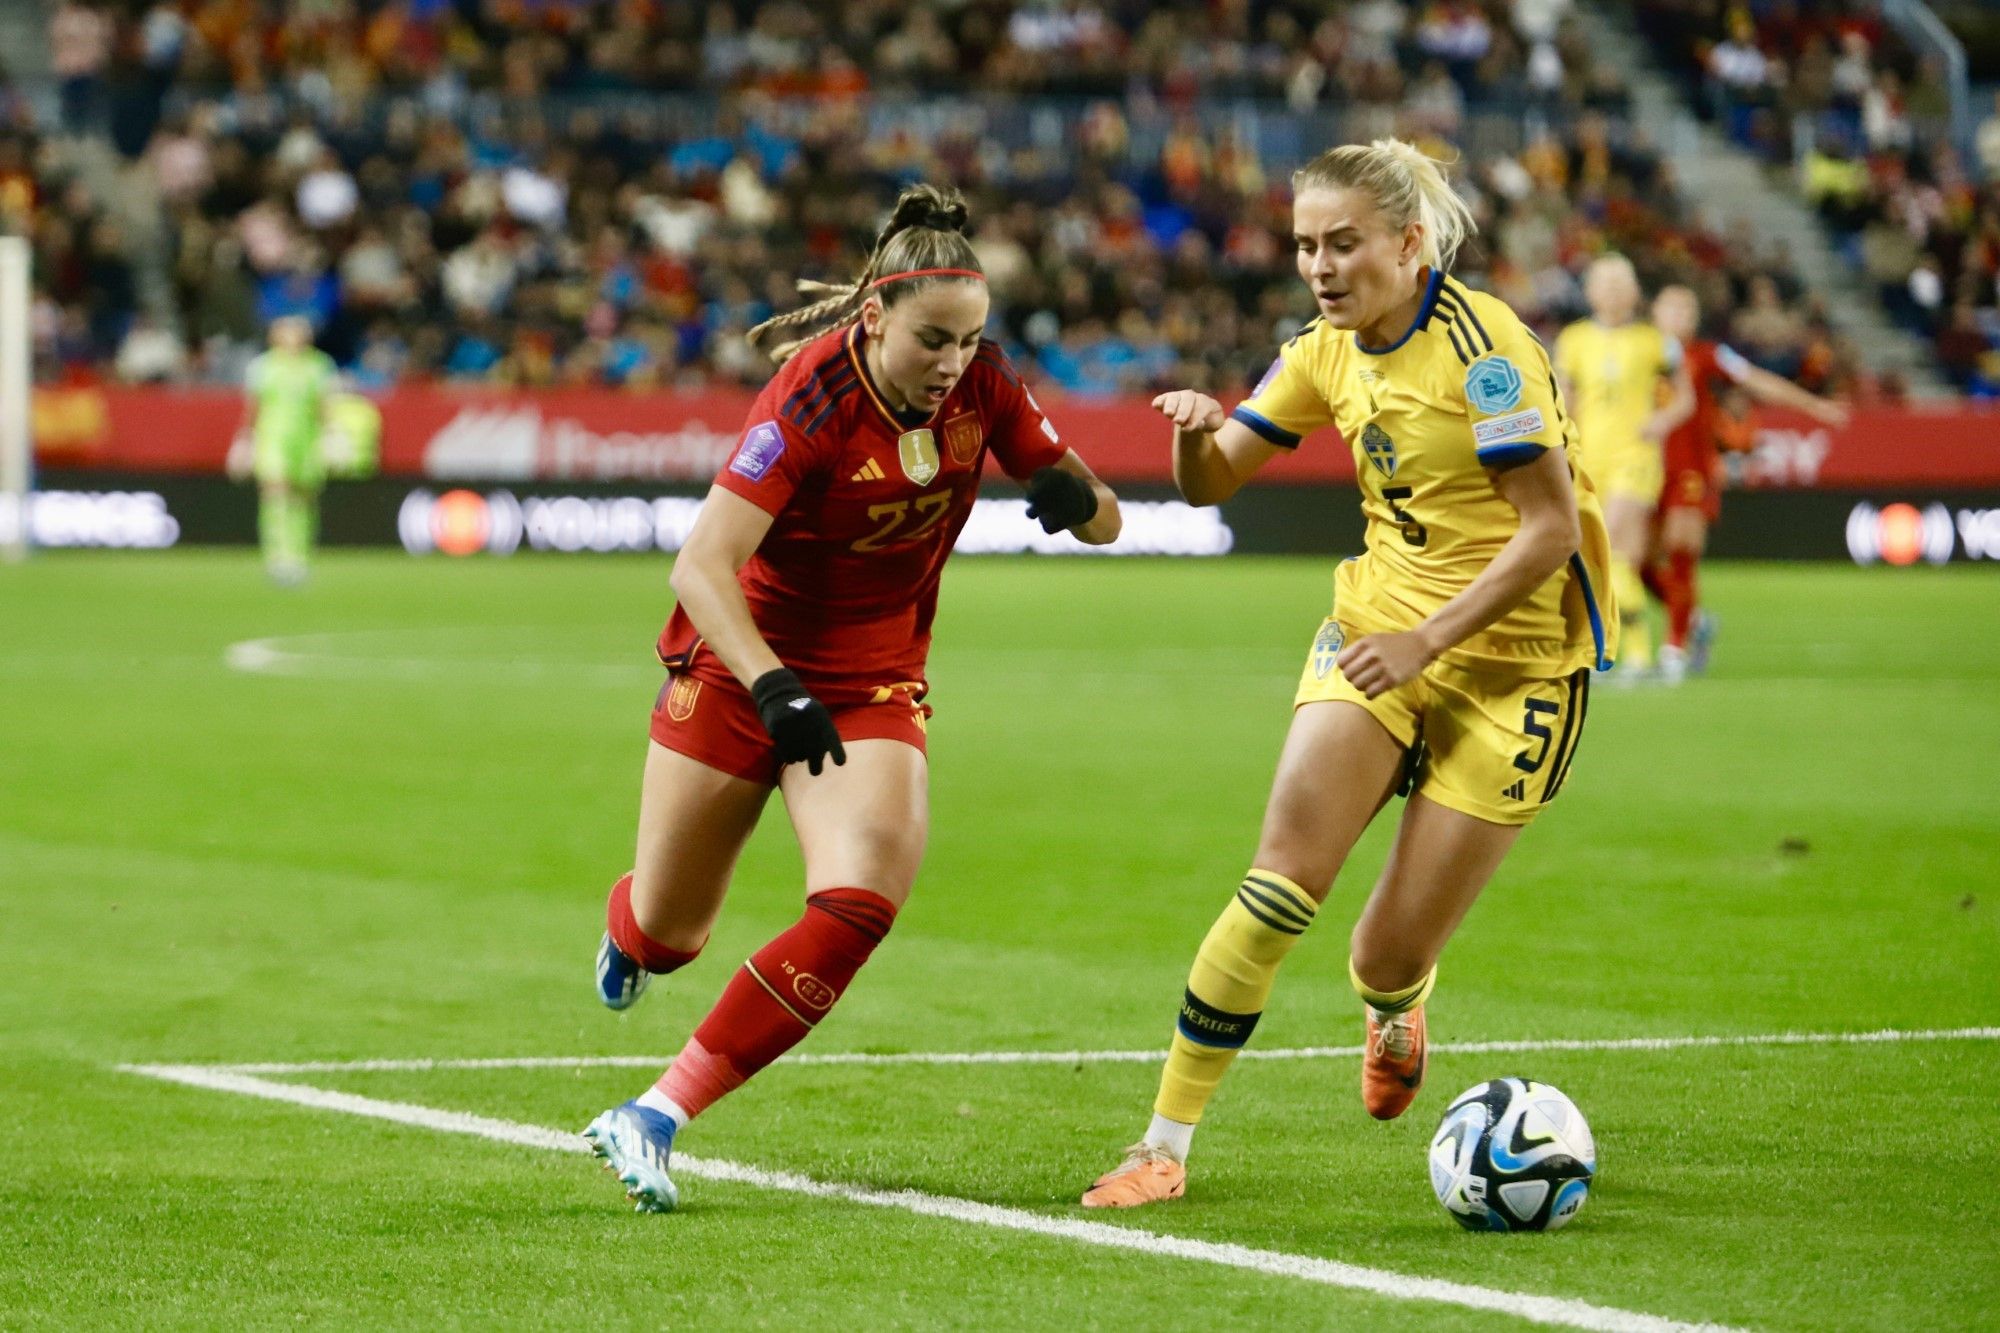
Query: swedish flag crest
<point>1381,450</point>
<point>1326,648</point>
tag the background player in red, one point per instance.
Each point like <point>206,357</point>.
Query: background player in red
<point>1691,500</point>
<point>796,652</point>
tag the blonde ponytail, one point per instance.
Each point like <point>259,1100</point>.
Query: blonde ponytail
<point>1407,184</point>
<point>925,230</point>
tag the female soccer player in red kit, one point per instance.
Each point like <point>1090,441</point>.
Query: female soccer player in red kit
<point>1691,500</point>
<point>796,653</point>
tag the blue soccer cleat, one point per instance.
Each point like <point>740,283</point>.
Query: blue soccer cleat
<point>1701,642</point>
<point>635,1142</point>
<point>620,981</point>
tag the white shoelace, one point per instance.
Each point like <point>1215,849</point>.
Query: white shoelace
<point>1142,1154</point>
<point>1395,1036</point>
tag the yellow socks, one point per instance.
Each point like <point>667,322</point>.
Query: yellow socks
<point>1227,987</point>
<point>1392,1001</point>
<point>1635,639</point>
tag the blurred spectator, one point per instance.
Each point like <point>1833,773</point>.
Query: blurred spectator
<point>470,190</point>
<point>150,354</point>
<point>79,49</point>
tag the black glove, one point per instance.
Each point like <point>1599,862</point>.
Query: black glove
<point>798,722</point>
<point>1060,499</point>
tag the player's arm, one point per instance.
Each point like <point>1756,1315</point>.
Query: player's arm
<point>1561,358</point>
<point>1214,454</point>
<point>1549,534</point>
<point>1068,495</point>
<point>724,537</point>
<point>1678,408</point>
<point>1777,391</point>
<point>721,542</point>
<point>239,463</point>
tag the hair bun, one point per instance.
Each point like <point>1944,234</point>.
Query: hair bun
<point>931,208</point>
<point>946,217</point>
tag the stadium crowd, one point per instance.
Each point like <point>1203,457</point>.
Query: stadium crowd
<point>1829,90</point>
<point>541,191</point>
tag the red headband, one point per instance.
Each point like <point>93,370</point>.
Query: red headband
<point>929,273</point>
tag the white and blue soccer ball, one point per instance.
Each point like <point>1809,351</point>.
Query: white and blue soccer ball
<point>1512,1155</point>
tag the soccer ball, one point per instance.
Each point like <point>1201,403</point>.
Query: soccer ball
<point>1512,1155</point>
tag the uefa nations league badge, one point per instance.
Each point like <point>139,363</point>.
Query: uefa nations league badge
<point>1326,648</point>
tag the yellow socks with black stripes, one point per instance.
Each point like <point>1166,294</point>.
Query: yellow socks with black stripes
<point>1226,990</point>
<point>1392,1001</point>
<point>1635,630</point>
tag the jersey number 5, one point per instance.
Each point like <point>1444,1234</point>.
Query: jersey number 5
<point>1414,533</point>
<point>930,508</point>
<point>1532,725</point>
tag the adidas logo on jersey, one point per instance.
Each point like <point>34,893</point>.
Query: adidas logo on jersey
<point>869,471</point>
<point>1517,792</point>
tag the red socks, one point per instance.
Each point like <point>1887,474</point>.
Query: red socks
<point>634,942</point>
<point>1651,574</point>
<point>778,996</point>
<point>1679,595</point>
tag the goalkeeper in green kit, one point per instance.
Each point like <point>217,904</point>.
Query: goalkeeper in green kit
<point>291,389</point>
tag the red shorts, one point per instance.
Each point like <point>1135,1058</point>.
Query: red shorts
<point>1692,488</point>
<point>714,722</point>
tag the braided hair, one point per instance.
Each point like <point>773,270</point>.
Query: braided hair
<point>925,230</point>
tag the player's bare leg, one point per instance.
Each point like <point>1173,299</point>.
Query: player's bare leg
<point>1338,768</point>
<point>865,822</point>
<point>1629,523</point>
<point>1441,860</point>
<point>693,822</point>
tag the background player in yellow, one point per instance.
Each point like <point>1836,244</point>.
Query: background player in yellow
<point>1455,666</point>
<point>1611,366</point>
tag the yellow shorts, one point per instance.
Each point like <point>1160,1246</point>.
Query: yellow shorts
<point>1493,745</point>
<point>1628,474</point>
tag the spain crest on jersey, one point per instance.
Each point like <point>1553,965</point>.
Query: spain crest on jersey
<point>1381,450</point>
<point>963,436</point>
<point>917,451</point>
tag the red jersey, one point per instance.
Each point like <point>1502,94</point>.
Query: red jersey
<point>865,505</point>
<point>1694,444</point>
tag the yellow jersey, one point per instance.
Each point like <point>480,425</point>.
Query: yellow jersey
<point>1614,374</point>
<point>1466,390</point>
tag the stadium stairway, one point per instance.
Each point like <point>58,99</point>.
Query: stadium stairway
<point>1711,168</point>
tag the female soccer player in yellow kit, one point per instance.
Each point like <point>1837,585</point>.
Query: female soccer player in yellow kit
<point>1455,666</point>
<point>1611,367</point>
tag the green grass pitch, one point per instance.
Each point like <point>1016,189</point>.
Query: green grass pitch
<point>393,840</point>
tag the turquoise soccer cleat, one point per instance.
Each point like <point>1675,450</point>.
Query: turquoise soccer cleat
<point>635,1142</point>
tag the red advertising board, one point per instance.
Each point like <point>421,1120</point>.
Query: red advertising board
<point>446,434</point>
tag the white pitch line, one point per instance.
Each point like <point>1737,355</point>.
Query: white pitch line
<point>1306,1268</point>
<point>1117,1057</point>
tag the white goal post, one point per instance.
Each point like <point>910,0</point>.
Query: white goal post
<point>17,459</point>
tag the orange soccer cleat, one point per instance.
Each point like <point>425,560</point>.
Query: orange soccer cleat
<point>1147,1175</point>
<point>1392,1066</point>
